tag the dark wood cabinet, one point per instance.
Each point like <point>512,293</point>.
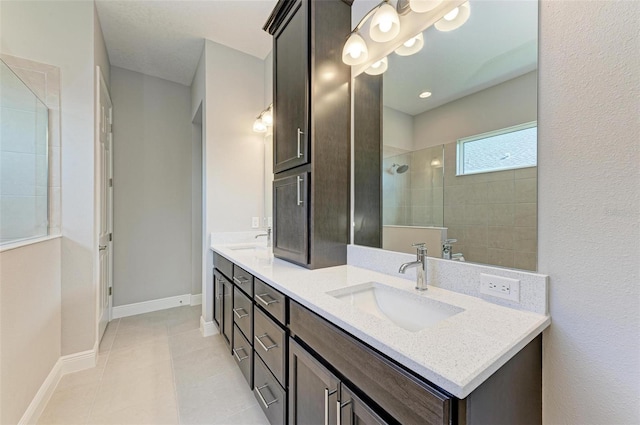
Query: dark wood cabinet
<point>354,411</point>
<point>312,131</point>
<point>313,389</point>
<point>227,310</point>
<point>291,88</point>
<point>291,209</point>
<point>217,299</point>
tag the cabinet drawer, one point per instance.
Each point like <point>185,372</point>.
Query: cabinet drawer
<point>243,312</point>
<point>269,342</point>
<point>242,354</point>
<point>222,264</point>
<point>271,396</point>
<point>402,395</point>
<point>243,279</point>
<point>270,300</point>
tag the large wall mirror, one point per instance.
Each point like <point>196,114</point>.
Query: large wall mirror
<point>445,142</point>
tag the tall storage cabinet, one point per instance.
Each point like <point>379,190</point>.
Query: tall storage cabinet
<point>311,132</point>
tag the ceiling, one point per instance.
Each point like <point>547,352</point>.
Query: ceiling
<point>165,38</point>
<point>496,44</point>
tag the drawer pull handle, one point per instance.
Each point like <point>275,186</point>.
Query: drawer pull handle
<point>299,200</point>
<point>327,393</point>
<point>266,348</point>
<point>240,280</point>
<point>238,315</point>
<point>339,407</point>
<point>235,353</point>
<point>263,301</point>
<point>300,133</point>
<point>262,399</point>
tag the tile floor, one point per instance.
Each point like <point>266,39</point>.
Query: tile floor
<point>156,368</point>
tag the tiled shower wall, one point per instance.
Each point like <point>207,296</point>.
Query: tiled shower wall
<point>414,198</point>
<point>493,215</point>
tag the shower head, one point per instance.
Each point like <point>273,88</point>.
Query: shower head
<point>402,169</point>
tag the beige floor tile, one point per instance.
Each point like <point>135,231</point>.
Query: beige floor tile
<point>138,356</point>
<point>128,337</point>
<point>201,364</point>
<point>142,386</point>
<point>69,406</point>
<point>220,396</point>
<point>250,416</point>
<point>109,336</point>
<point>84,377</point>
<point>190,341</point>
<point>155,412</point>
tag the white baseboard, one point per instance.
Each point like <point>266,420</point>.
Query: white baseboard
<point>149,306</point>
<point>196,299</point>
<point>65,364</point>
<point>208,328</point>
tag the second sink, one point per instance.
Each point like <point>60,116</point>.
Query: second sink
<point>406,310</point>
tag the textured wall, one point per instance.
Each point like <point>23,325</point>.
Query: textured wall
<point>589,241</point>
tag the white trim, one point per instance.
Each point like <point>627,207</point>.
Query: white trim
<point>196,299</point>
<point>149,306</point>
<point>27,242</point>
<point>65,364</point>
<point>208,328</point>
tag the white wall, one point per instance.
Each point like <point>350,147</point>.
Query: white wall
<point>61,33</point>
<point>397,131</point>
<point>151,186</point>
<point>30,323</point>
<point>589,241</point>
<point>503,105</point>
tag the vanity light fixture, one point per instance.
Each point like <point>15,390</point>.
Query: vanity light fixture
<point>378,67</point>
<point>424,94</point>
<point>355,50</point>
<point>411,46</point>
<point>264,120</point>
<point>421,6</point>
<point>454,19</point>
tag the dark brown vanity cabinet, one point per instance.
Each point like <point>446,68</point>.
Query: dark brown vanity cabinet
<point>311,131</point>
<point>217,298</point>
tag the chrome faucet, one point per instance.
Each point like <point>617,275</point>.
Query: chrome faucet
<point>420,264</point>
<point>268,235</point>
<point>446,248</point>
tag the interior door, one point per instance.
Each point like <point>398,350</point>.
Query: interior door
<point>105,200</point>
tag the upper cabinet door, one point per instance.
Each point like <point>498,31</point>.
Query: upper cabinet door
<point>291,88</point>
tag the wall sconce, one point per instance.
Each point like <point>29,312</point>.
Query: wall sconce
<point>454,19</point>
<point>264,120</point>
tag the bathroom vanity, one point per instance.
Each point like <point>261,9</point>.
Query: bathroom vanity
<point>314,350</point>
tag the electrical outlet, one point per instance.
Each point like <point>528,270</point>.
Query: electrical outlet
<point>255,222</point>
<point>501,287</point>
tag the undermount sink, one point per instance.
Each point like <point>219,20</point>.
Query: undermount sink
<point>244,247</point>
<point>404,309</point>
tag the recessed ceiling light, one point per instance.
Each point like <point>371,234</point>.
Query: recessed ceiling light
<point>424,94</point>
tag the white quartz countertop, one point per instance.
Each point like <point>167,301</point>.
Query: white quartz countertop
<point>457,354</point>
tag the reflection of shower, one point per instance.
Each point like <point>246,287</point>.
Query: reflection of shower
<point>399,169</point>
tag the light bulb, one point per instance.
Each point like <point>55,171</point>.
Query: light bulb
<point>411,46</point>
<point>421,6</point>
<point>258,126</point>
<point>355,50</point>
<point>267,117</point>
<point>385,24</point>
<point>454,19</point>
<point>378,67</point>
<point>452,15</point>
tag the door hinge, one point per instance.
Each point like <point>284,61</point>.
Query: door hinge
<point>110,237</point>
<point>110,290</point>
<point>110,182</point>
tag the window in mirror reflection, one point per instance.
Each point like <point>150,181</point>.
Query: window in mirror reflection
<point>504,149</point>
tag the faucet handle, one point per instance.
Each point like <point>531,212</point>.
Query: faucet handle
<point>421,249</point>
<point>419,245</point>
<point>450,241</point>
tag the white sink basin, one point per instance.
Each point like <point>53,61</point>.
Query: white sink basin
<point>404,309</point>
<point>243,247</point>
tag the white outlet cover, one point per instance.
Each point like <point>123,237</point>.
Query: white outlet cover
<point>513,294</point>
<point>255,222</point>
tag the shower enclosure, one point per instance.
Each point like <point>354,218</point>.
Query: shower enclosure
<point>24,161</point>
